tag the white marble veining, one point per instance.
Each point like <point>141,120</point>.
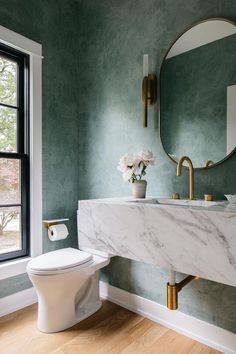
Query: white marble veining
<point>191,239</point>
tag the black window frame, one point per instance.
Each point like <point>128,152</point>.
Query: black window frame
<point>23,147</point>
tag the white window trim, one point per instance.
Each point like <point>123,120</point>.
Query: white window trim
<point>34,50</point>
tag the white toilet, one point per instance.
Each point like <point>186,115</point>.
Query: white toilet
<point>67,285</point>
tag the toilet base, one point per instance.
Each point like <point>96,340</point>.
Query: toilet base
<point>73,323</point>
<point>61,307</point>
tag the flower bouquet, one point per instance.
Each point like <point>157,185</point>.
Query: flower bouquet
<point>133,168</point>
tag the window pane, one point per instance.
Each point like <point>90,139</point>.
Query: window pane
<point>8,129</point>
<point>10,229</point>
<point>9,181</point>
<point>8,81</point>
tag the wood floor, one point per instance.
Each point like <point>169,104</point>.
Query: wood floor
<point>111,330</point>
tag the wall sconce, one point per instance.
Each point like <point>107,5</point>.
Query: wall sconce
<point>149,89</point>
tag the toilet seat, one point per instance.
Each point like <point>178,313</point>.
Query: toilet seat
<point>59,261</point>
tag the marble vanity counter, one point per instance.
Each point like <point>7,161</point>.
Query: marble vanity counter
<point>196,240</point>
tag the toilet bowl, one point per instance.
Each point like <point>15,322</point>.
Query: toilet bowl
<point>67,285</point>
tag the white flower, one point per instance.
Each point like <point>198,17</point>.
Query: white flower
<point>127,175</point>
<point>127,162</point>
<point>122,168</point>
<point>133,167</point>
<point>147,157</point>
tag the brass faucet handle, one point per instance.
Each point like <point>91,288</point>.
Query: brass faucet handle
<point>208,197</point>
<point>175,195</point>
<point>209,163</point>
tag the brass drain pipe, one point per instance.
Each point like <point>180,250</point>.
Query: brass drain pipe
<point>173,290</point>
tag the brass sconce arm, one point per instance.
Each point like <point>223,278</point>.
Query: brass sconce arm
<point>149,94</point>
<point>145,100</point>
<point>149,89</point>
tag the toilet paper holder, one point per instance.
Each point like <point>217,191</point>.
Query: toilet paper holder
<point>48,223</point>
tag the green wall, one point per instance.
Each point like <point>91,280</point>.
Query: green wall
<point>92,115</point>
<point>116,35</point>
<point>194,101</point>
<point>54,25</point>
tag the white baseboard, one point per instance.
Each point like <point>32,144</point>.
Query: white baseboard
<point>201,331</point>
<point>17,301</point>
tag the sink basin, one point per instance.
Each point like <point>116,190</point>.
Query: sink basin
<point>182,202</point>
<point>144,201</point>
<point>187,202</point>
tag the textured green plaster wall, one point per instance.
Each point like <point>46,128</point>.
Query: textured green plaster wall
<point>115,36</point>
<point>54,25</point>
<point>194,101</point>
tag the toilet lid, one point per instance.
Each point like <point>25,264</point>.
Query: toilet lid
<point>60,259</point>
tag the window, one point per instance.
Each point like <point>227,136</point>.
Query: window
<point>14,154</point>
<point>26,132</point>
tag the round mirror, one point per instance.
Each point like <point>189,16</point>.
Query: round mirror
<point>198,94</point>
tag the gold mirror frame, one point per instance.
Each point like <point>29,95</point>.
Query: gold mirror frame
<point>159,90</point>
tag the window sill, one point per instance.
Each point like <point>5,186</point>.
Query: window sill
<point>12,268</point>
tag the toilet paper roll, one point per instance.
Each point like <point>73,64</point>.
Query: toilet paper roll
<point>58,232</point>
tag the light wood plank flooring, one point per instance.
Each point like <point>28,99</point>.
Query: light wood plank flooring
<point>111,330</point>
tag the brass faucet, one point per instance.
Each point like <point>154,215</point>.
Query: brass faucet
<point>191,174</point>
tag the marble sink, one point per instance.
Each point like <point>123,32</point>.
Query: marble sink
<point>192,237</point>
<point>184,202</point>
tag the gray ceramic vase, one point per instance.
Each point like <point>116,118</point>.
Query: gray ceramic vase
<point>139,189</point>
